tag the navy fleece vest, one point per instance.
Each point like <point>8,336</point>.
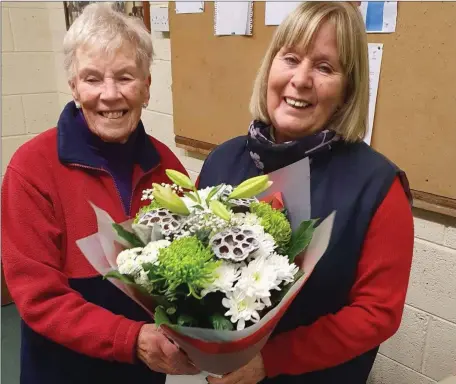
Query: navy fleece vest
<point>352,179</point>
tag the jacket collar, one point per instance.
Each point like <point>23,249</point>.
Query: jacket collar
<point>74,143</point>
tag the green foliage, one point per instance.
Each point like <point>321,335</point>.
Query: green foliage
<point>221,323</point>
<point>161,317</point>
<point>203,235</point>
<point>274,222</point>
<point>213,191</point>
<point>134,240</point>
<point>191,197</point>
<point>300,239</point>
<point>186,321</point>
<point>117,275</point>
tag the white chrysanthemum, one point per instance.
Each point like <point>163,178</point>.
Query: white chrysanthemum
<point>267,244</point>
<point>152,248</point>
<point>146,259</point>
<point>226,275</point>
<point>127,255</point>
<point>130,267</point>
<point>257,229</point>
<point>143,280</point>
<point>247,218</point>
<point>149,253</point>
<point>242,308</point>
<point>258,278</point>
<point>285,270</point>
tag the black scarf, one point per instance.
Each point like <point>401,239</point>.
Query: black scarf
<point>270,156</point>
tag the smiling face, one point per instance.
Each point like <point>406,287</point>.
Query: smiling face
<point>111,90</point>
<point>305,88</point>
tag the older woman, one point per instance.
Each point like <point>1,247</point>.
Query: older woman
<point>310,99</point>
<point>76,327</point>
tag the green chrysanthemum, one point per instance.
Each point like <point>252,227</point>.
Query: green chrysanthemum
<point>274,222</point>
<point>153,205</point>
<point>185,262</point>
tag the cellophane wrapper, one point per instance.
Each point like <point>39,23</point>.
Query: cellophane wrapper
<point>220,351</point>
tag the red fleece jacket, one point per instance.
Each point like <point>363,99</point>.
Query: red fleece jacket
<point>45,209</point>
<point>376,300</point>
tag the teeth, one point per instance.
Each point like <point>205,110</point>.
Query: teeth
<point>112,115</point>
<point>296,103</point>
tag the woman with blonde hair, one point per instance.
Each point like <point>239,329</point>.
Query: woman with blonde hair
<point>76,327</point>
<point>310,99</point>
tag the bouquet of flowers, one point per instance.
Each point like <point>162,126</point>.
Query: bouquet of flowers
<point>216,268</point>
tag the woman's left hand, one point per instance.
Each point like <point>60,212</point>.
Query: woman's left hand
<point>251,373</point>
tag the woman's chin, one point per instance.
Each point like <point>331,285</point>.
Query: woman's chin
<point>114,136</point>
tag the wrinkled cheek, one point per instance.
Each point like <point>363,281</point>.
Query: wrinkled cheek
<point>87,96</point>
<point>272,100</point>
<point>134,120</point>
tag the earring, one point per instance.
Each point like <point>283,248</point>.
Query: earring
<point>77,104</point>
<point>145,105</point>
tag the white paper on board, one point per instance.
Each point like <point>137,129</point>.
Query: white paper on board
<point>375,62</point>
<point>189,6</point>
<point>277,11</point>
<point>233,18</point>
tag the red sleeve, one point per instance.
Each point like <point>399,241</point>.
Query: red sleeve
<point>376,299</point>
<point>32,260</point>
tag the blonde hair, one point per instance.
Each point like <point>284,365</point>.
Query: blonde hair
<point>299,30</point>
<point>102,28</point>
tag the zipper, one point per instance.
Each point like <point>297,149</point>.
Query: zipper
<point>136,185</point>
<point>105,171</point>
<point>115,184</point>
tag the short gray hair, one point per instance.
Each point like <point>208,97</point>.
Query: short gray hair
<point>104,29</point>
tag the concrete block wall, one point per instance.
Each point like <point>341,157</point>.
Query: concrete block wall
<point>424,348</point>
<point>35,90</point>
<point>30,99</point>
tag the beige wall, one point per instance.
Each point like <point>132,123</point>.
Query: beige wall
<point>35,90</point>
<point>424,349</point>
<point>30,101</point>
